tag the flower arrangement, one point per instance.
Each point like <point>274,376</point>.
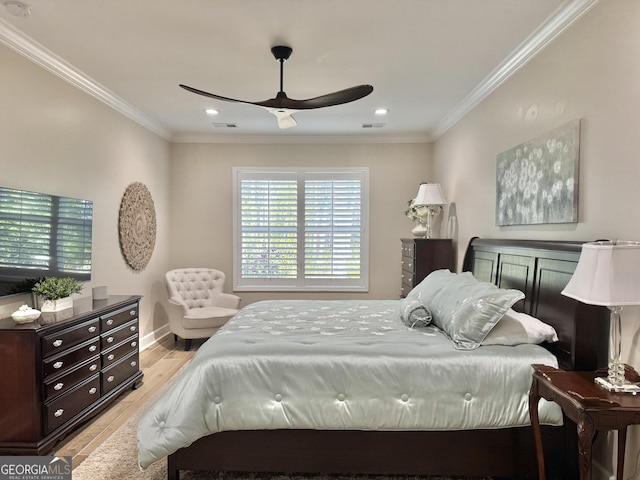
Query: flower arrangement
<point>417,214</point>
<point>54,288</point>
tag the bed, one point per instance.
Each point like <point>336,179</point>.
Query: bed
<point>362,406</point>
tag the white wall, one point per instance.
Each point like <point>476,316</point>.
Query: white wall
<point>56,139</point>
<point>591,72</point>
<point>201,217</point>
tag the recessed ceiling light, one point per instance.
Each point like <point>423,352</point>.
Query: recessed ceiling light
<point>17,8</point>
<point>381,111</point>
<point>211,111</point>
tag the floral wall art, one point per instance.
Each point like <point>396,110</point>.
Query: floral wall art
<point>537,181</point>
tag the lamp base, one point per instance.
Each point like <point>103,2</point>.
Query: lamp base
<point>626,387</point>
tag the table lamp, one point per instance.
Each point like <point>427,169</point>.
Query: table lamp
<point>608,274</point>
<point>430,195</point>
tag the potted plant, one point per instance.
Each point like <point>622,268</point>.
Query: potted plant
<point>56,292</point>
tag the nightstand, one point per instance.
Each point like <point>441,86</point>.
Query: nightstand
<point>592,408</point>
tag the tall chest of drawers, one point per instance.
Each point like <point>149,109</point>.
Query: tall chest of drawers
<point>421,256</point>
<point>57,376</point>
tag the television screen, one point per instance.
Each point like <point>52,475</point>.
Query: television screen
<point>42,236</point>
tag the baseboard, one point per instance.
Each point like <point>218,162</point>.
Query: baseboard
<point>153,337</point>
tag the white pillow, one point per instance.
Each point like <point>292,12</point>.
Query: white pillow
<point>515,328</point>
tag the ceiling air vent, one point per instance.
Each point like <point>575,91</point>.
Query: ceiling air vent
<point>373,125</point>
<point>225,125</point>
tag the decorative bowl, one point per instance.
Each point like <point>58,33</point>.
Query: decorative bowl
<point>25,314</point>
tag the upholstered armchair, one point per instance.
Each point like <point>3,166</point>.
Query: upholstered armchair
<point>198,305</point>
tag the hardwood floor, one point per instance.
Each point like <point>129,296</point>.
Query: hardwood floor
<point>158,363</point>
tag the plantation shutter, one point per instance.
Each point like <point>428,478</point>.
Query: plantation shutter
<point>25,222</point>
<point>73,245</point>
<point>269,223</point>
<point>332,229</point>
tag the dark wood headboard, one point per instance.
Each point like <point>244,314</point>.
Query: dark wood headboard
<point>541,269</point>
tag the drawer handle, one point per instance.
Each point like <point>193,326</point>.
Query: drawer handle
<point>93,367</point>
<point>58,365</point>
<point>57,343</point>
<point>133,344</point>
<point>132,313</point>
<point>111,357</point>
<point>110,321</point>
<point>134,363</point>
<point>58,386</point>
<point>93,348</point>
<point>92,390</point>
<point>92,328</point>
<point>133,328</point>
<point>110,378</point>
<point>58,413</point>
<point>110,340</point>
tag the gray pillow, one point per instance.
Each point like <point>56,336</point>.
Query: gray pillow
<point>466,309</point>
<point>431,285</point>
<point>413,313</point>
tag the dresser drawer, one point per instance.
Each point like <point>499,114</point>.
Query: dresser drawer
<point>63,339</point>
<point>408,249</point>
<point>116,353</point>
<point>71,357</point>
<point>58,384</point>
<point>405,289</point>
<point>118,317</point>
<point>408,278</point>
<point>117,335</point>
<point>119,372</point>
<point>408,264</point>
<point>65,407</point>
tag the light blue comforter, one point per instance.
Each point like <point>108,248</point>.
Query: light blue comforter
<point>332,365</point>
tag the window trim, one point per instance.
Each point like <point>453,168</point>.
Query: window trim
<point>299,285</point>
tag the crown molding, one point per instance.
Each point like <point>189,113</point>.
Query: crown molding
<point>29,48</point>
<point>555,24</point>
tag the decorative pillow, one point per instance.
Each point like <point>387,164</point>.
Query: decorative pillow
<point>516,328</point>
<point>467,309</point>
<point>431,285</point>
<point>413,313</point>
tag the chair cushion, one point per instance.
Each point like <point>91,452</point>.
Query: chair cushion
<point>206,317</point>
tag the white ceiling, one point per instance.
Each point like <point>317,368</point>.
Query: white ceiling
<point>429,61</point>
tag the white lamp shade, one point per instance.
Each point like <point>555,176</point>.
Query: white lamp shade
<point>607,274</point>
<point>430,194</point>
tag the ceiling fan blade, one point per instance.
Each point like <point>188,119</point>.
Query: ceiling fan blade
<point>284,116</point>
<point>328,100</point>
<point>336,98</point>
<point>212,95</point>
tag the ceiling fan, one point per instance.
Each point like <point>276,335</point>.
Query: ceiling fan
<point>282,106</point>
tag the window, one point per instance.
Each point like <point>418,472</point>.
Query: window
<point>300,229</point>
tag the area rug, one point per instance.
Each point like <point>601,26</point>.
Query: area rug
<point>116,459</point>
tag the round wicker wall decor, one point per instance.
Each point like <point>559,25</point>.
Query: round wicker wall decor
<point>137,226</point>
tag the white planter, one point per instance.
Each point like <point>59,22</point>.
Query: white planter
<point>56,310</point>
<point>57,305</point>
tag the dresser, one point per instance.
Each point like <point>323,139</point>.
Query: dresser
<point>421,256</point>
<point>56,376</point>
